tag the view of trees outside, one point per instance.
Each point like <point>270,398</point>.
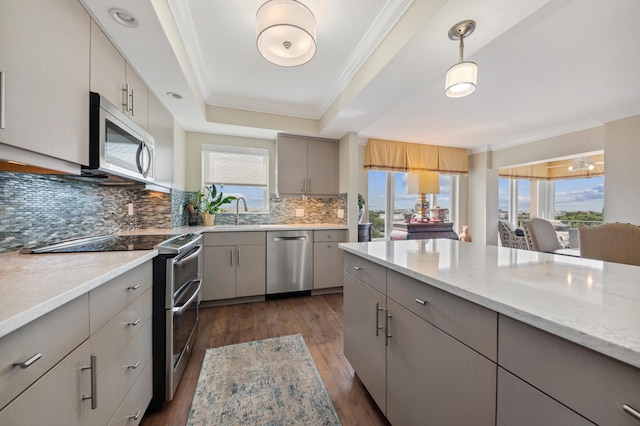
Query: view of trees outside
<point>577,201</point>
<point>403,203</point>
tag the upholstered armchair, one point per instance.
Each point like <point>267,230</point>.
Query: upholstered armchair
<point>611,242</point>
<point>509,237</point>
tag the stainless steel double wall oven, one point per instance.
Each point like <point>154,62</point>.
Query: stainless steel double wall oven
<point>177,273</point>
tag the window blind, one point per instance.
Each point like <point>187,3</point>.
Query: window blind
<point>235,165</point>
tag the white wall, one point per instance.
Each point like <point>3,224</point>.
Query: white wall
<point>193,160</point>
<point>569,145</point>
<point>621,154</point>
<point>179,157</point>
<point>482,212</point>
<point>350,178</point>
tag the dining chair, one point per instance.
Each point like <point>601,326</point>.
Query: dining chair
<point>541,235</point>
<point>611,242</point>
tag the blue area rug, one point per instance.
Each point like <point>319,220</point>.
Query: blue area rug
<point>265,382</point>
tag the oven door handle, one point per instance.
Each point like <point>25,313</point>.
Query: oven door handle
<point>179,261</point>
<point>179,310</point>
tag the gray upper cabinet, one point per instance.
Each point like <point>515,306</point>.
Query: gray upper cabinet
<point>113,78</point>
<point>161,128</point>
<point>44,59</point>
<point>307,165</point>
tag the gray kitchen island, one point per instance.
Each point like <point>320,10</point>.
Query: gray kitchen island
<point>445,332</point>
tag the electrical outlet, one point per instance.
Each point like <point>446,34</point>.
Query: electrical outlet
<point>340,213</point>
<point>130,209</point>
<point>299,212</point>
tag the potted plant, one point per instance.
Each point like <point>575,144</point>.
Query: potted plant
<point>361,202</point>
<point>209,201</point>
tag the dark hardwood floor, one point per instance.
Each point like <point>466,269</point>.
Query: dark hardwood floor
<point>317,318</point>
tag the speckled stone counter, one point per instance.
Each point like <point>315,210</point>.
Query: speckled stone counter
<point>588,302</point>
<point>33,285</point>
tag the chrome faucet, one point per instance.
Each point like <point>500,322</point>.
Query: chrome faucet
<point>238,208</point>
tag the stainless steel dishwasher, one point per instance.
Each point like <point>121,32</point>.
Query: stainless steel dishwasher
<point>289,262</point>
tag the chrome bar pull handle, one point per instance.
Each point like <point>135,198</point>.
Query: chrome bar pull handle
<point>27,363</point>
<point>94,382</point>
<point>422,302</point>
<point>132,107</point>
<point>631,411</point>
<point>378,326</point>
<point>135,416</point>
<point>133,287</point>
<point>309,186</point>
<point>3,95</point>
<point>357,268</point>
<point>125,89</point>
<point>231,253</point>
<point>387,335</point>
<point>238,256</point>
<point>134,323</point>
<point>134,366</point>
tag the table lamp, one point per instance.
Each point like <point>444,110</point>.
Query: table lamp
<point>423,183</point>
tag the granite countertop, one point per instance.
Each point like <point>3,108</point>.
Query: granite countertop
<point>32,285</point>
<point>589,302</point>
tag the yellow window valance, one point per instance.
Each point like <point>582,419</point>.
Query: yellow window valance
<point>413,157</point>
<point>385,155</point>
<point>554,170</point>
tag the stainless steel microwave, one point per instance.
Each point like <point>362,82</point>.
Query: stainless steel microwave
<point>117,145</point>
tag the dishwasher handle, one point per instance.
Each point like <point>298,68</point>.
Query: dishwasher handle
<point>300,238</point>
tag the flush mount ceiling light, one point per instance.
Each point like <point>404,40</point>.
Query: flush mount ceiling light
<point>286,32</point>
<point>462,77</point>
<point>124,18</point>
<point>582,164</point>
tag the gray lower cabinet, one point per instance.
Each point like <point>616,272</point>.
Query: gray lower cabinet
<point>234,265</point>
<point>415,372</point>
<point>57,397</point>
<point>521,404</point>
<point>364,341</point>
<point>589,383</point>
<point>434,379</point>
<point>111,326</point>
<point>327,258</point>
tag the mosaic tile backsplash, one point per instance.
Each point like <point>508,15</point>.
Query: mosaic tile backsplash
<point>39,209</point>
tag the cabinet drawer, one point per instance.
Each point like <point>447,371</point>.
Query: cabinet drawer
<point>589,383</point>
<point>119,375</point>
<point>55,399</point>
<point>234,238</point>
<point>368,272</point>
<point>110,338</point>
<point>53,335</point>
<point>472,324</point>
<point>111,297</point>
<point>521,404</point>
<point>329,235</point>
<point>133,407</point>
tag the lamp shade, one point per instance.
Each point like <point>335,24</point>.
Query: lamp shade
<point>461,79</point>
<point>286,32</point>
<point>423,183</point>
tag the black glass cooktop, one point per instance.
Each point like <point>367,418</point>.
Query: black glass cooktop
<point>102,243</point>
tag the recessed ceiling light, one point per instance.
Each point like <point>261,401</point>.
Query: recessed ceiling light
<point>125,18</point>
<point>174,95</point>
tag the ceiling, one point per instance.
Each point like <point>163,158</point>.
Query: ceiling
<point>545,67</point>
